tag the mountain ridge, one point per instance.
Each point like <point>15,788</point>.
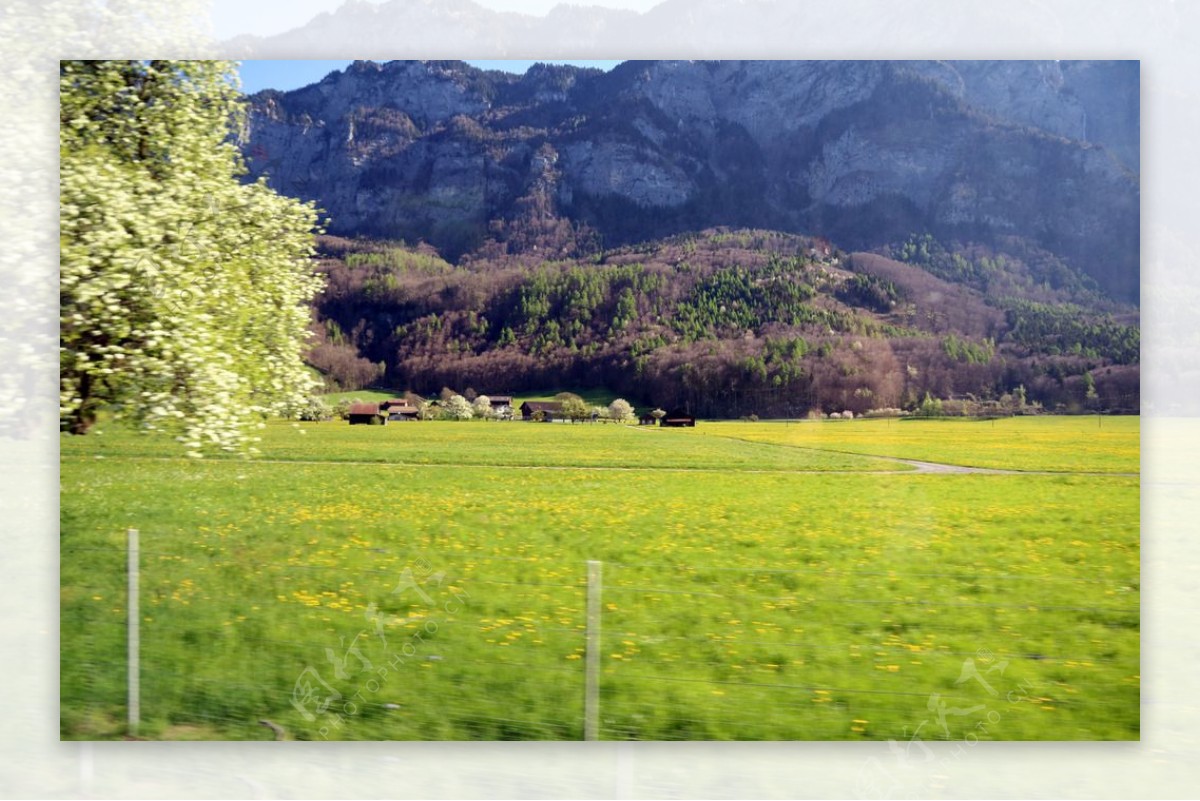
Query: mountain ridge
<point>865,153</point>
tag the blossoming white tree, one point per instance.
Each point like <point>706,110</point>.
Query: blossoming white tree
<point>482,407</point>
<point>620,410</point>
<point>183,293</point>
<point>458,408</point>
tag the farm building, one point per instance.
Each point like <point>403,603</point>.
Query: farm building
<point>679,419</point>
<point>647,419</point>
<point>388,404</point>
<point>400,413</point>
<point>548,410</point>
<point>502,407</point>
<point>364,414</point>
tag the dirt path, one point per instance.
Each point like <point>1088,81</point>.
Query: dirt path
<point>954,469</point>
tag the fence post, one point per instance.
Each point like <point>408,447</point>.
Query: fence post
<point>132,639</point>
<point>591,702</point>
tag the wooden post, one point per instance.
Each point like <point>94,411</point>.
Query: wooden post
<point>591,700</point>
<point>132,639</point>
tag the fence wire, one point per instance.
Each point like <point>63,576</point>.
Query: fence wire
<point>465,650</point>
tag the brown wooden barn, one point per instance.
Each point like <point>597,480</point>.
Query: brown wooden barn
<point>549,410</point>
<point>679,419</point>
<point>364,414</point>
<point>402,413</point>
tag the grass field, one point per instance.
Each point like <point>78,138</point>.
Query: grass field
<point>1056,444</point>
<point>760,581</point>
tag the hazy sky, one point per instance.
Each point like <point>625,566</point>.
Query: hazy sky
<point>286,75</point>
<point>233,17</point>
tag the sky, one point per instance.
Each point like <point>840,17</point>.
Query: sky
<point>233,17</point>
<point>287,75</point>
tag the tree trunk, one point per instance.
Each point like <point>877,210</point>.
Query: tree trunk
<point>81,423</point>
<point>85,415</point>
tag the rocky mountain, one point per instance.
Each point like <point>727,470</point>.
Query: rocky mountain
<point>865,153</point>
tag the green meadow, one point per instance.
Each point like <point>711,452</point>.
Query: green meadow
<point>759,582</point>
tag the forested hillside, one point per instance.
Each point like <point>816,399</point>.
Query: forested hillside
<point>733,323</point>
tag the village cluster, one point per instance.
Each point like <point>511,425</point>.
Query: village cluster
<point>500,407</point>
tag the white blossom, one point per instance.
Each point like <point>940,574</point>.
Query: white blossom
<point>184,292</point>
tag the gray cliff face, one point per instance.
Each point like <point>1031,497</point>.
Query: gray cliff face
<point>862,152</point>
<point>620,168</point>
<point>770,100</point>
<point>1087,101</point>
<point>1026,92</point>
